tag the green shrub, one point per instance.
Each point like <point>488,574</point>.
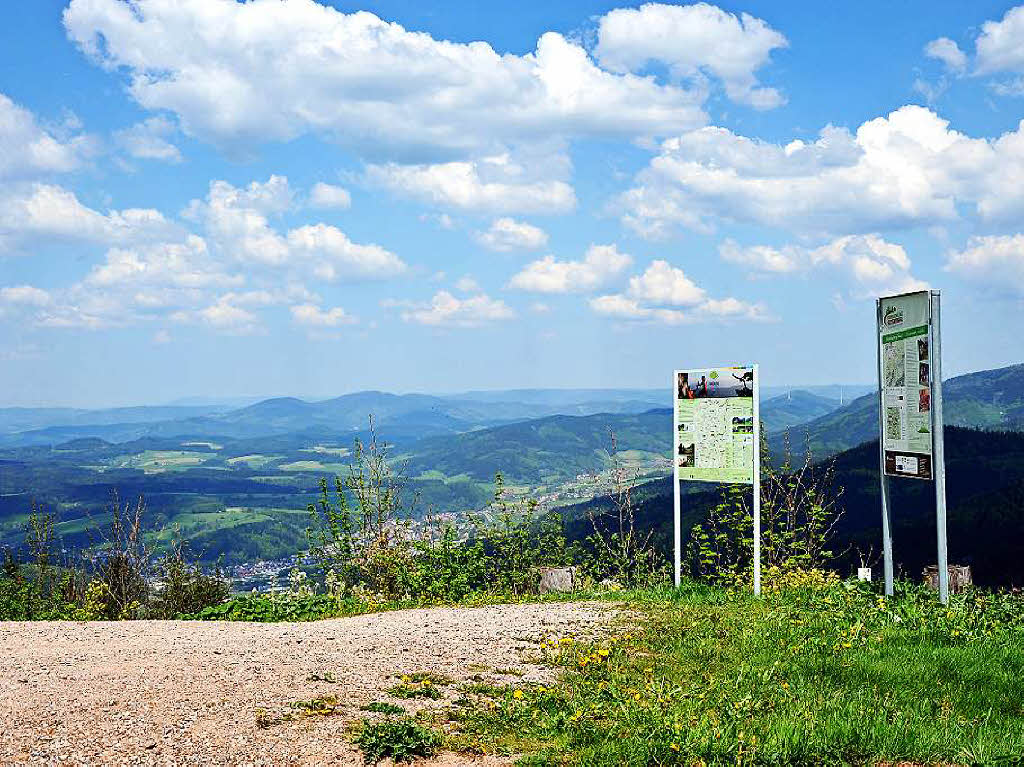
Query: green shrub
<point>185,588</point>
<point>401,739</point>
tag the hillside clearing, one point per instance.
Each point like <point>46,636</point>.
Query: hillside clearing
<point>149,692</point>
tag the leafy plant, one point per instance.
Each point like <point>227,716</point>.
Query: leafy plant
<point>185,588</point>
<point>799,513</point>
<point>620,549</point>
<point>383,707</point>
<point>357,532</point>
<point>401,739</point>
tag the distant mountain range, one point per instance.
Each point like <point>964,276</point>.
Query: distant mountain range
<point>989,399</point>
<point>402,418</point>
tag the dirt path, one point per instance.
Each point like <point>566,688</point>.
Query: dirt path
<point>174,692</point>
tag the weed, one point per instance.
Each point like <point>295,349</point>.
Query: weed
<point>383,707</point>
<point>401,739</point>
<point>322,676</point>
<point>324,705</point>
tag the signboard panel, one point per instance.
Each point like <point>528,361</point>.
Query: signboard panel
<point>905,338</point>
<point>715,429</point>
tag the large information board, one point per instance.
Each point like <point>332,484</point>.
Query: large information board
<point>905,338</point>
<point>715,428</point>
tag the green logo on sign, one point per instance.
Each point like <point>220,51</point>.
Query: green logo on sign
<point>713,374</point>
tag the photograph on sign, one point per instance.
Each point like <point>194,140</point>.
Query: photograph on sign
<point>903,337</point>
<point>714,410</point>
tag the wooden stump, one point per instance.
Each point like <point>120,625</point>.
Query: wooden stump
<point>959,577</point>
<point>560,579</point>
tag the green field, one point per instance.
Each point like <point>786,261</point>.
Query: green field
<point>823,674</point>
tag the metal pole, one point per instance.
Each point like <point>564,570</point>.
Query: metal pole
<point>883,479</point>
<point>677,557</point>
<point>757,481</point>
<point>938,452</point>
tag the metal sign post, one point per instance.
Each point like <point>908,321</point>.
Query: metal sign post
<point>883,477</point>
<point>938,453</point>
<point>910,425</point>
<point>757,481</point>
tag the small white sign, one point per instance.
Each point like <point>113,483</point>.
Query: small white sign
<point>864,573</point>
<point>906,464</point>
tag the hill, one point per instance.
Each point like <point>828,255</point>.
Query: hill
<point>794,408</point>
<point>403,417</point>
<point>989,399</point>
<point>984,495</point>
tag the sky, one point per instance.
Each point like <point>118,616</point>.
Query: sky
<point>211,198</point>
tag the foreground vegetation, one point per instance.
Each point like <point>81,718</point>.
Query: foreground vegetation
<point>815,672</point>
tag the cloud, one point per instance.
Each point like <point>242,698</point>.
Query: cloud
<point>365,82</point>
<point>184,264</point>
<point>226,316</point>
<point>601,264</point>
<point>459,185</point>
<point>655,295</point>
<point>24,295</point>
<point>992,261</point>
<point>663,283</point>
<point>874,265</point>
<point>692,41</point>
<point>37,212</point>
<point>507,234</point>
<point>467,285</point>
<point>147,140</point>
<point>621,307</point>
<point>314,316</point>
<point>27,150</point>
<point>904,170</point>
<point>1000,46</point>
<point>949,53</point>
<point>329,196</point>
<point>445,310</point>
<point>334,255</point>
<point>236,221</point>
<point>162,337</point>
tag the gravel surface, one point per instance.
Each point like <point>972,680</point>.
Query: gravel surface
<point>177,692</point>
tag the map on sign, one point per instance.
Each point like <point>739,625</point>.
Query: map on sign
<point>714,424</point>
<point>904,336</point>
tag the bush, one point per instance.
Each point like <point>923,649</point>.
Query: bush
<point>799,512</point>
<point>401,739</point>
<point>185,587</point>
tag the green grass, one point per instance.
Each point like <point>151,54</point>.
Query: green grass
<point>826,675</point>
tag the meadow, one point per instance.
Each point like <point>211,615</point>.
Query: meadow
<point>817,671</point>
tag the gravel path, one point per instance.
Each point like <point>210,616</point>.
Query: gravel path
<point>175,692</point>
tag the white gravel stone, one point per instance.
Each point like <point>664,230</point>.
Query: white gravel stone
<point>186,693</point>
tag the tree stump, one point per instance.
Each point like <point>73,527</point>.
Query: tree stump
<point>557,579</point>
<point>959,577</point>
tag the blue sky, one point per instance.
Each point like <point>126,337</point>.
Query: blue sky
<point>211,198</point>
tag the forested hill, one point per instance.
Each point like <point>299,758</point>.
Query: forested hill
<point>989,399</point>
<point>985,505</point>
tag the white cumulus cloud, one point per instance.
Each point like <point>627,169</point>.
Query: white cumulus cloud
<point>314,316</point>
<point>693,41</point>
<point>903,170</point>
<point>948,52</point>
<point>873,265</point>
<point>149,140</point>
<point>361,80</point>
<point>329,196</point>
<point>28,150</point>
<point>601,264</point>
<point>445,310</point>
<point>507,234</point>
<point>993,261</point>
<point>460,185</point>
